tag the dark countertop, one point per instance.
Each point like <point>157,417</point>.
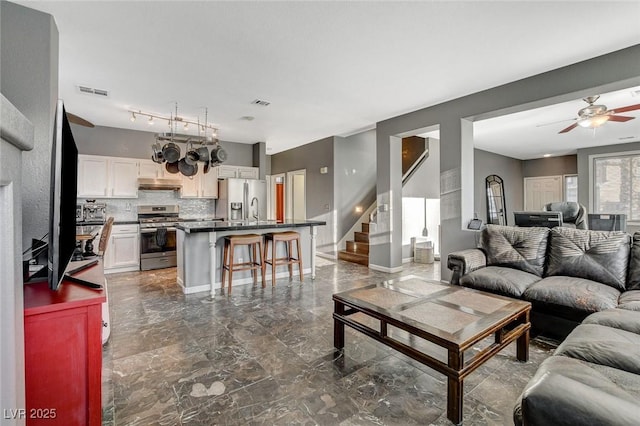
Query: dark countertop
<point>208,226</point>
<point>125,222</point>
<point>199,219</point>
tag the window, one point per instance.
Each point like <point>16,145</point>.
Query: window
<point>571,188</point>
<point>617,185</point>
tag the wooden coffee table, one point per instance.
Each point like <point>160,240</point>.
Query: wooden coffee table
<point>454,318</point>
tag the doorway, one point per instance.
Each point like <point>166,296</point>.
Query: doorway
<point>277,195</point>
<point>539,191</point>
<point>295,201</point>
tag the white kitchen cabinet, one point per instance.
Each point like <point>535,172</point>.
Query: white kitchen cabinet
<point>150,169</point>
<point>93,172</point>
<point>123,249</point>
<point>248,172</point>
<point>209,183</point>
<point>123,177</point>
<point>228,171</point>
<point>201,185</point>
<point>190,186</point>
<point>107,177</point>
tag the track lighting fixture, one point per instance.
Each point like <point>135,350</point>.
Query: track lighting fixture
<point>174,119</point>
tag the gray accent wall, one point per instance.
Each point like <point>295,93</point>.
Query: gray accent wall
<point>260,158</point>
<point>510,170</point>
<point>354,178</point>
<point>29,80</point>
<point>454,119</point>
<point>551,166</point>
<point>319,187</point>
<point>115,142</point>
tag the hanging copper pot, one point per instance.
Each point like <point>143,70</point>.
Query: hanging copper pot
<point>172,167</point>
<point>186,168</point>
<point>171,152</point>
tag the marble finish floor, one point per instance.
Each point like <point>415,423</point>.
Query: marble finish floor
<point>265,356</point>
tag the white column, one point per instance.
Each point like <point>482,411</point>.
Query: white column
<point>313,232</point>
<point>212,254</point>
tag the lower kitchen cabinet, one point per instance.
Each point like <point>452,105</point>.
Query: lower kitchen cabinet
<point>123,250</point>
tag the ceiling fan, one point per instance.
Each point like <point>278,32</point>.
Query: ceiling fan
<point>596,115</point>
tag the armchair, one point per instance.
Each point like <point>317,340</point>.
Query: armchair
<point>573,214</point>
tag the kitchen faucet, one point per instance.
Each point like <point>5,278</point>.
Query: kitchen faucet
<point>256,216</point>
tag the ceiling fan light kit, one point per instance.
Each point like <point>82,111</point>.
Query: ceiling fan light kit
<point>593,122</point>
<point>594,116</point>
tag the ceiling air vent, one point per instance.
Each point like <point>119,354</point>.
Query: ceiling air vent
<point>261,102</point>
<point>91,91</point>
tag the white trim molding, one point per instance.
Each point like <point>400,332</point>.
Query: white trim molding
<point>385,269</point>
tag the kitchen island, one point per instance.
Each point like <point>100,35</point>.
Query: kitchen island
<point>199,248</point>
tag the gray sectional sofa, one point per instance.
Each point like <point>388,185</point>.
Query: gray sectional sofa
<point>585,286</point>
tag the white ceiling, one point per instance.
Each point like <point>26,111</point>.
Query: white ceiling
<point>329,68</point>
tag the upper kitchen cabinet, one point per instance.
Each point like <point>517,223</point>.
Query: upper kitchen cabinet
<point>226,171</point>
<point>107,177</point>
<point>150,169</point>
<point>202,185</point>
<point>93,172</point>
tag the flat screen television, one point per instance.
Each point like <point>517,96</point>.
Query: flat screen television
<point>544,219</point>
<point>62,207</point>
<point>607,222</point>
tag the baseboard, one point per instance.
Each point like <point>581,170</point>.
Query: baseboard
<point>242,281</point>
<point>407,260</point>
<point>385,269</point>
<point>123,269</point>
<point>327,256</point>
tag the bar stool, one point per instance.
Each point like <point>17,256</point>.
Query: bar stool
<point>287,237</point>
<point>253,241</point>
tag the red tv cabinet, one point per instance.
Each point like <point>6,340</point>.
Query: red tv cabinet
<point>63,352</point>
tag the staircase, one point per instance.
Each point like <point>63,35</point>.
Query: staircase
<point>358,250</point>
<point>415,151</point>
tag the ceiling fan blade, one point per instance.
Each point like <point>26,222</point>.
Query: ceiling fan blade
<point>79,120</point>
<point>555,122</point>
<point>626,108</point>
<point>620,118</point>
<point>568,129</point>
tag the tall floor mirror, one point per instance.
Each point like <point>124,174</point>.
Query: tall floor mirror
<point>496,207</point>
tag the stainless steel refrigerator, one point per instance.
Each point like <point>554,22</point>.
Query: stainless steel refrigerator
<point>242,199</point>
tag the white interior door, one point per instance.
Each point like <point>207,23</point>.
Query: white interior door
<point>539,191</point>
<point>296,202</point>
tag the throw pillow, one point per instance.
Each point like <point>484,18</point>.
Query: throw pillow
<point>515,247</point>
<point>593,255</point>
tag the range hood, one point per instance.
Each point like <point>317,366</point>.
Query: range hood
<point>150,184</point>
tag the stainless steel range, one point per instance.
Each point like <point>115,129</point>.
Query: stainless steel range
<point>158,236</point>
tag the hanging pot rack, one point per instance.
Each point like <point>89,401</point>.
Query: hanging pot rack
<point>192,155</point>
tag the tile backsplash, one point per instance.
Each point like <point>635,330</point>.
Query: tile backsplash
<point>123,209</point>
